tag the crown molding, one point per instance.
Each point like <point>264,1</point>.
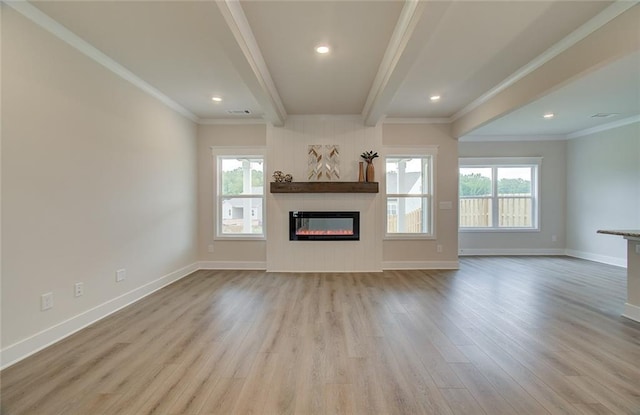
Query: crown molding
<point>354,117</point>
<point>550,137</point>
<point>604,127</point>
<point>296,117</point>
<point>604,17</point>
<point>510,138</point>
<point>231,121</point>
<point>39,18</point>
<point>416,121</point>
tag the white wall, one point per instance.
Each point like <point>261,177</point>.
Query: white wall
<point>226,254</point>
<point>603,192</point>
<point>287,151</point>
<point>552,191</point>
<point>423,253</point>
<point>96,176</point>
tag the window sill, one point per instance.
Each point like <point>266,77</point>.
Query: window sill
<point>498,230</point>
<point>409,237</point>
<point>239,238</point>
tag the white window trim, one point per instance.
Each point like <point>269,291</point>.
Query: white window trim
<point>258,152</point>
<point>508,162</point>
<point>412,151</point>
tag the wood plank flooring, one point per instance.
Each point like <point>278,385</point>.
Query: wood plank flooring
<point>526,335</point>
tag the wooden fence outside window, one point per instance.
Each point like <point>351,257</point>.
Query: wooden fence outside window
<point>513,212</point>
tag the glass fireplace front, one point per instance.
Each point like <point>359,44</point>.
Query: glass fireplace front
<point>324,226</point>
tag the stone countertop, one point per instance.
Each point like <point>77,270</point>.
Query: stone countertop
<point>633,233</point>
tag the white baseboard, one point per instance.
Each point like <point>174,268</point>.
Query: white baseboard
<point>610,260</point>
<point>332,271</point>
<point>258,265</point>
<point>244,265</point>
<point>408,265</point>
<point>509,252</point>
<point>24,348</point>
<point>632,312</point>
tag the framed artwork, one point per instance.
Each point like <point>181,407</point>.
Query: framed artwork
<point>323,162</point>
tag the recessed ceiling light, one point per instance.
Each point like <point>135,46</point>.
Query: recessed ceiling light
<point>216,99</point>
<point>549,115</point>
<point>434,98</point>
<point>322,49</point>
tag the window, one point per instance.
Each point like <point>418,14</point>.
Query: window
<point>240,194</point>
<point>409,193</point>
<point>498,193</point>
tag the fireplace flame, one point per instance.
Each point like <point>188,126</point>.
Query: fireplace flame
<point>324,232</point>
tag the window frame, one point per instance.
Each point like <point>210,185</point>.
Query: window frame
<point>422,152</point>
<point>494,163</point>
<point>219,153</point>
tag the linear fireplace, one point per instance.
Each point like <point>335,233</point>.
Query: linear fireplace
<point>324,226</point>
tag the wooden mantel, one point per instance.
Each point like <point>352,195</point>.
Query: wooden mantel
<point>324,187</point>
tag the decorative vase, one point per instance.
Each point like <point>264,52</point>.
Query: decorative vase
<point>371,173</point>
<point>361,172</point>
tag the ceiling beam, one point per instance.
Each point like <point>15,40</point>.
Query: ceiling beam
<point>404,47</point>
<point>249,62</point>
<point>612,35</point>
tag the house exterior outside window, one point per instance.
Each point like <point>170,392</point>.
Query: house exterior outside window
<point>240,193</point>
<point>409,177</point>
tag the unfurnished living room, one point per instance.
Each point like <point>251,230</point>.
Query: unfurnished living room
<point>320,207</point>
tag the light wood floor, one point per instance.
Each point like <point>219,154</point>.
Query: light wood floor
<point>510,336</point>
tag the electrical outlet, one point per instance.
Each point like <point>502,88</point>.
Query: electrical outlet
<point>121,274</point>
<point>46,301</point>
<point>78,289</point>
<point>554,238</point>
<point>439,248</point>
<point>211,248</point>
<point>638,249</point>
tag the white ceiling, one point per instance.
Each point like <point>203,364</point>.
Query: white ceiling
<point>308,83</point>
<point>476,45</point>
<point>613,90</point>
<point>387,57</point>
